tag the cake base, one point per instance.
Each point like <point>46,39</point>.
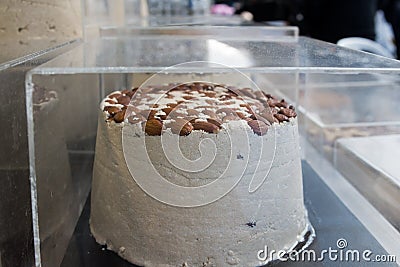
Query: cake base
<point>306,239</point>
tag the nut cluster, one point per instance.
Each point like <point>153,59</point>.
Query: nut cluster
<point>184,108</point>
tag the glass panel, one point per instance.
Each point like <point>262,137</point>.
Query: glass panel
<point>339,93</point>
<point>16,236</point>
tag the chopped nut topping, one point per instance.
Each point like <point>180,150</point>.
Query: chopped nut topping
<point>184,108</point>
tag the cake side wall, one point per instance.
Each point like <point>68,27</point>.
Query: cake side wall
<point>229,231</point>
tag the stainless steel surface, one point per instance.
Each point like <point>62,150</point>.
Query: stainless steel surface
<point>371,164</point>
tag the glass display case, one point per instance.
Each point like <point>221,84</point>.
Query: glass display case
<point>379,171</point>
<point>16,236</point>
<point>124,14</point>
<point>339,93</point>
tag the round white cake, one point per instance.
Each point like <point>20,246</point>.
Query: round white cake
<point>247,195</point>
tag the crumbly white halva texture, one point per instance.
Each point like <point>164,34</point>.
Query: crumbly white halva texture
<point>229,231</point>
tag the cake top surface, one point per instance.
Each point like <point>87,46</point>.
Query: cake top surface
<point>195,106</point>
